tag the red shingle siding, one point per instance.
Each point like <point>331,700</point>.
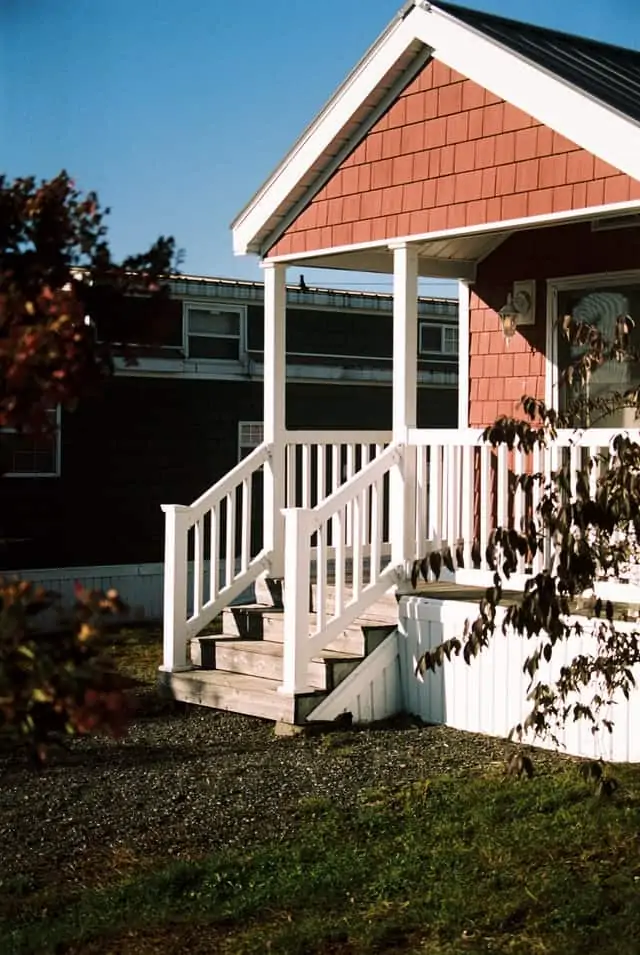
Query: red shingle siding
<point>500,374</point>
<point>449,153</point>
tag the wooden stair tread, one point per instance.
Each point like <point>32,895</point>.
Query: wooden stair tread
<point>241,693</point>
<point>273,648</point>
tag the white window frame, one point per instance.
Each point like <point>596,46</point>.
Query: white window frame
<point>249,446</point>
<point>241,337</point>
<point>566,284</point>
<point>56,473</point>
<point>442,350</point>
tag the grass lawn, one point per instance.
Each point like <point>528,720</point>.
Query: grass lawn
<point>466,862</point>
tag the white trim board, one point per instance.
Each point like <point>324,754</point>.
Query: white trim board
<point>507,227</point>
<point>589,123</point>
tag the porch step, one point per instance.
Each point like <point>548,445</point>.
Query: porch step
<point>258,622</point>
<point>264,658</point>
<point>240,693</point>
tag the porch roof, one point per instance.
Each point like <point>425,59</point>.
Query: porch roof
<point>585,90</point>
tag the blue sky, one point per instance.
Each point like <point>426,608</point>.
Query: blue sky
<point>176,113</point>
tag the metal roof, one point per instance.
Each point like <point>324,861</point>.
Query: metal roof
<point>609,73</point>
<point>336,299</point>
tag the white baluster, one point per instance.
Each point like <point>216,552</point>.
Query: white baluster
<point>321,476</point>
<point>214,553</point>
<point>484,499</point>
<point>351,470</point>
<point>356,579</point>
<point>434,532</point>
<point>245,550</point>
<point>340,532</point>
<point>321,579</point>
<point>198,567</point>
<point>518,500</point>
<point>230,555</point>
<point>502,486</point>
<point>467,503</point>
<point>291,475</point>
<point>306,475</point>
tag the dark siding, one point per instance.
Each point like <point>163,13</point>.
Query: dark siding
<point>364,339</point>
<point>148,442</point>
<point>143,444</point>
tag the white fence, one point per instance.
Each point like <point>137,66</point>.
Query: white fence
<point>140,586</point>
<point>489,696</point>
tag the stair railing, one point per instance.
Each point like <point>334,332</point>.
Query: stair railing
<point>210,556</point>
<point>346,539</point>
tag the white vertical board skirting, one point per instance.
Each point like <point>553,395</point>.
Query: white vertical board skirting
<point>489,696</point>
<point>140,585</point>
<point>371,692</point>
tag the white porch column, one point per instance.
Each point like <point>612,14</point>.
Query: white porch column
<point>275,305</point>
<point>405,397</point>
<point>463,355</point>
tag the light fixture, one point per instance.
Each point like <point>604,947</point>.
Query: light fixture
<point>519,308</point>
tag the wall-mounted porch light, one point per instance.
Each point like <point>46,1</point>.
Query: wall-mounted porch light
<point>519,308</point>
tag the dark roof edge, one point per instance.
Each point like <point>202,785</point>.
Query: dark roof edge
<point>456,9</point>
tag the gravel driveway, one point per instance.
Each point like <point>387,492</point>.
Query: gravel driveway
<point>185,784</point>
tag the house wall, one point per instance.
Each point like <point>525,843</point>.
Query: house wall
<point>153,441</point>
<point>490,696</point>
<point>500,373</point>
<point>449,154</point>
<point>322,336</point>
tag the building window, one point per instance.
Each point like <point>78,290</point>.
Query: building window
<point>31,455</point>
<point>600,305</point>
<point>450,339</point>
<point>250,437</point>
<point>438,339</point>
<point>214,333</point>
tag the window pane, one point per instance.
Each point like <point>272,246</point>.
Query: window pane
<point>213,322</point>
<point>224,349</point>
<point>430,338</point>
<point>601,307</point>
<point>250,436</point>
<point>451,339</point>
<point>28,453</point>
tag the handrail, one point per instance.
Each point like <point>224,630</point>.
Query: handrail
<point>424,437</point>
<point>358,483</point>
<point>230,481</point>
<point>472,437</point>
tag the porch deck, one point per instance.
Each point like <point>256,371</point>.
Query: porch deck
<point>443,591</point>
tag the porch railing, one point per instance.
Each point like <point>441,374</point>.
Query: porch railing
<point>465,489</point>
<point>210,557</point>
<point>346,538</point>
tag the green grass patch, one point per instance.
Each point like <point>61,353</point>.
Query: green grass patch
<point>137,651</point>
<point>441,866</point>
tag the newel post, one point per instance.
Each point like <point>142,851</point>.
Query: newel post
<point>175,588</point>
<point>275,379</point>
<point>405,397</point>
<point>297,549</point>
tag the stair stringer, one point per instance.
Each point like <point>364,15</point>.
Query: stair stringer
<point>371,692</point>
